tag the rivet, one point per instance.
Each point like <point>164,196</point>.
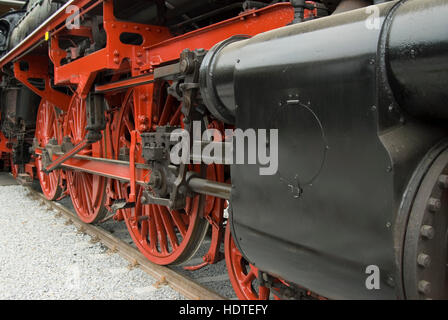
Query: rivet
<point>424,260</point>
<point>427,232</point>
<point>424,287</point>
<point>443,181</point>
<point>434,204</point>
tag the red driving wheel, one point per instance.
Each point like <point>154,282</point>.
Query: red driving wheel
<point>242,274</point>
<point>164,236</point>
<point>88,192</point>
<point>47,128</point>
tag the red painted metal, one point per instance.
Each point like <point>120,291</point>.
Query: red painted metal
<point>5,146</point>
<point>242,274</point>
<point>164,236</point>
<point>87,191</point>
<point>36,67</point>
<point>248,23</point>
<point>47,127</point>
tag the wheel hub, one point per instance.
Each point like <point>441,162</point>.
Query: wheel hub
<point>425,253</point>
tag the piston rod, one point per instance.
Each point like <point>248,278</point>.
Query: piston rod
<point>210,188</point>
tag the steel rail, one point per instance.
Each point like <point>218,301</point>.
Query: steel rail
<point>176,281</point>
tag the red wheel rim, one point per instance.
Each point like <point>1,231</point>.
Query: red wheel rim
<point>242,274</point>
<point>88,192</point>
<point>164,236</point>
<point>46,129</point>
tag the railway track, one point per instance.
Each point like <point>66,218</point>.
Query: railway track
<point>173,277</point>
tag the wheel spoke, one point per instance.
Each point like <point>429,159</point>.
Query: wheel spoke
<point>179,222</point>
<point>176,117</point>
<point>263,293</point>
<point>166,218</point>
<point>152,229</point>
<point>161,233</point>
<point>248,278</point>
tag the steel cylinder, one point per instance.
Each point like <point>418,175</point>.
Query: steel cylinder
<point>416,54</point>
<point>418,57</point>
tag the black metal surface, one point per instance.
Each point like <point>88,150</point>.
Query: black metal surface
<point>217,79</point>
<point>344,142</point>
<point>425,264</point>
<point>417,56</point>
<point>36,13</point>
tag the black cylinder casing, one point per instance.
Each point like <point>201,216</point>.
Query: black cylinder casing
<point>350,138</point>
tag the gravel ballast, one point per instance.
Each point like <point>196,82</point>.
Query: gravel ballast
<point>43,258</point>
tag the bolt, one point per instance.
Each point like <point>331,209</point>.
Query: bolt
<point>184,65</point>
<point>143,200</point>
<point>427,232</point>
<point>390,281</point>
<point>443,181</point>
<point>424,287</point>
<point>116,53</point>
<point>434,204</point>
<point>142,119</point>
<point>182,190</point>
<point>424,260</point>
<point>116,60</point>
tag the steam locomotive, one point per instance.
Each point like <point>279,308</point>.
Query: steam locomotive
<point>93,90</point>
